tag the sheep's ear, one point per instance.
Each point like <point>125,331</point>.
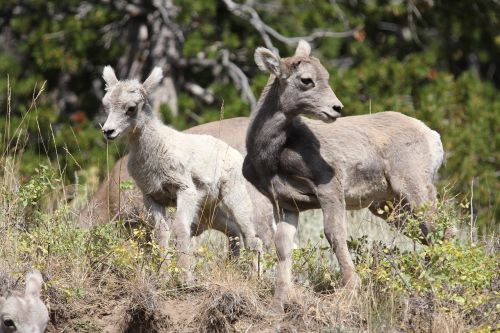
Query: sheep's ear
<point>109,76</point>
<point>269,62</point>
<point>153,79</point>
<point>34,283</point>
<point>303,49</point>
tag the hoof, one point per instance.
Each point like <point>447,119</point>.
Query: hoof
<point>255,244</point>
<point>450,233</point>
<point>352,283</point>
<point>277,307</point>
<point>187,278</point>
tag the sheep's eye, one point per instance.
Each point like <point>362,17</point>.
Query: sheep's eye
<point>306,81</point>
<point>9,323</point>
<point>130,110</point>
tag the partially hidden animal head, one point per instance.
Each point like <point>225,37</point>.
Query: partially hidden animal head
<point>302,82</point>
<point>24,313</point>
<point>126,101</point>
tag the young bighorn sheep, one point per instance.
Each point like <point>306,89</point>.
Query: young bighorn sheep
<point>201,173</point>
<point>112,202</point>
<point>24,313</point>
<point>332,164</point>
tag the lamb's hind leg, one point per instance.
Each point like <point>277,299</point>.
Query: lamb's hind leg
<point>227,226</point>
<point>239,206</point>
<point>417,191</point>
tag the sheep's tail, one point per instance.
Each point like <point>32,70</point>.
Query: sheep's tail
<point>34,283</point>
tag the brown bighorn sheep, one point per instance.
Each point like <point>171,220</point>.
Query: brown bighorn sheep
<point>111,202</point>
<point>24,313</point>
<point>332,164</point>
<point>201,173</point>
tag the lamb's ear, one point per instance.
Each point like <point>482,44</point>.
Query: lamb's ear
<point>153,79</point>
<point>34,283</point>
<point>109,76</point>
<point>269,62</point>
<point>303,49</point>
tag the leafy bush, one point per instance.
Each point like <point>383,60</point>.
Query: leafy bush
<point>86,266</point>
<point>433,60</point>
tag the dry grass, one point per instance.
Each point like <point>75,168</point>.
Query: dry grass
<point>106,279</point>
<point>114,285</point>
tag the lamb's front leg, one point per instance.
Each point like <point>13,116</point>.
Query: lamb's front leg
<point>157,214</point>
<point>333,206</point>
<point>283,238</point>
<point>188,202</point>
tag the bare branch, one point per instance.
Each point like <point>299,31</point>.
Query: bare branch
<point>340,13</point>
<point>239,78</point>
<point>315,35</point>
<point>250,14</point>
<point>200,92</point>
<point>235,73</point>
<point>201,62</point>
<point>163,7</point>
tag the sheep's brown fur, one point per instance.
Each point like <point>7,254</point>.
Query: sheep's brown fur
<point>333,164</point>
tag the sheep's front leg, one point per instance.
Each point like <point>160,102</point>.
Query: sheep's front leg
<point>283,239</point>
<point>158,215</point>
<point>187,211</point>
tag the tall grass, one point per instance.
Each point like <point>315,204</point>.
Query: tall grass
<point>107,278</point>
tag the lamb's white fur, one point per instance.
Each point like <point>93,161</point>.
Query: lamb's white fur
<point>200,171</point>
<point>24,313</point>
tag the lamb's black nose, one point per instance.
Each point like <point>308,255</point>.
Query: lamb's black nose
<point>338,107</point>
<point>108,133</point>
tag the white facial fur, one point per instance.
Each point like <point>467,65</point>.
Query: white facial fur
<point>25,313</point>
<point>124,101</point>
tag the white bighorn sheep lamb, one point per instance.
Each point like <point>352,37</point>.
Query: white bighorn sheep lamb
<point>199,173</point>
<point>24,313</point>
<point>112,202</point>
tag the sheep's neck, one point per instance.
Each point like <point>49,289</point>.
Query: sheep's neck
<point>267,137</point>
<point>268,131</point>
<point>145,139</point>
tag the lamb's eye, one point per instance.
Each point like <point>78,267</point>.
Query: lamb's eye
<point>130,110</point>
<point>9,323</point>
<point>307,81</point>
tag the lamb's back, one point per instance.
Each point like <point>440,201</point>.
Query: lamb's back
<point>211,160</point>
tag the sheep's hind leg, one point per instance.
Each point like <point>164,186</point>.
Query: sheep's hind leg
<point>227,226</point>
<point>239,207</point>
<point>418,191</point>
<point>238,204</point>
